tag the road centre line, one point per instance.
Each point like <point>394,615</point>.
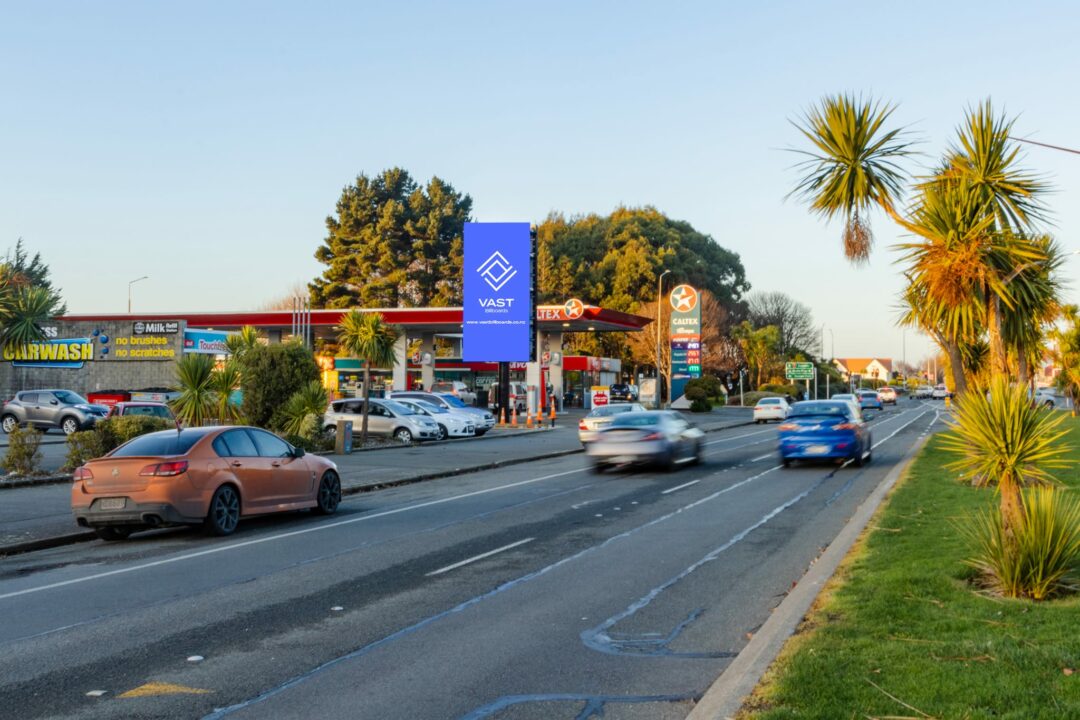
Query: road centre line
<point>766,456</point>
<point>481,556</point>
<point>281,536</point>
<point>736,437</point>
<point>680,487</point>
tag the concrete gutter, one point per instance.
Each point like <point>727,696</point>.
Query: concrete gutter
<point>76,537</point>
<point>725,697</point>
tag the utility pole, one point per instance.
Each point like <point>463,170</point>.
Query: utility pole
<point>144,277</point>
<point>659,295</point>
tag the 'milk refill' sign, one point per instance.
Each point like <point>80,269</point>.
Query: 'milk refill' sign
<point>497,312</point>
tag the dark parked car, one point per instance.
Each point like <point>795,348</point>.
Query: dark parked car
<point>47,409</point>
<point>820,429</point>
<point>621,392</point>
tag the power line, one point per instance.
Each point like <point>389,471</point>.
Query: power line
<point>1048,145</point>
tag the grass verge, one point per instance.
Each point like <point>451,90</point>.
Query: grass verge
<point>900,631</point>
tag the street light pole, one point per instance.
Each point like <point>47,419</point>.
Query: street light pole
<point>144,277</point>
<point>659,294</point>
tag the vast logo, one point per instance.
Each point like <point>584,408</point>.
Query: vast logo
<point>496,271</point>
<point>684,298</point>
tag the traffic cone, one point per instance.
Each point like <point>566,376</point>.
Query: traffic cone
<point>513,414</point>
<point>502,418</point>
<point>539,418</point>
<point>528,420</point>
<point>552,416</point>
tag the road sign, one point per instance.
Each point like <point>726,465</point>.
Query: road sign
<point>799,370</point>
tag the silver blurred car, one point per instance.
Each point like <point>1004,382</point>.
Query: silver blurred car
<point>455,424</point>
<point>484,419</point>
<point>386,418</point>
<point>46,409</point>
<point>658,437</point>
<point>589,427</point>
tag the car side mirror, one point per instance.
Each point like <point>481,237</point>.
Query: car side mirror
<point>298,452</point>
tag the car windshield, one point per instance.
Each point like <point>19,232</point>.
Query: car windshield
<point>453,400</point>
<point>843,397</point>
<point>69,398</point>
<point>636,420</point>
<point>769,401</point>
<point>431,408</point>
<point>868,394</point>
<point>819,408</point>
<point>609,410</point>
<point>167,442</point>
<point>397,408</point>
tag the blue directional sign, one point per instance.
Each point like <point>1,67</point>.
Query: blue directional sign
<point>497,304</point>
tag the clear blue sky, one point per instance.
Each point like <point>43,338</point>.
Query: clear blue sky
<point>204,143</point>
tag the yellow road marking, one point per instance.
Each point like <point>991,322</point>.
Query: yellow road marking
<point>158,688</point>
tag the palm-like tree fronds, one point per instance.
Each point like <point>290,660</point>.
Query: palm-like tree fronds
<point>309,400</point>
<point>23,310</point>
<point>225,381</point>
<point>194,379</point>
<point>364,335</point>
<point>240,342</point>
<point>854,165</point>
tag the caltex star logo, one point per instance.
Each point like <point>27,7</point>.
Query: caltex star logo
<point>574,309</point>
<point>496,271</point>
<point>684,298</point>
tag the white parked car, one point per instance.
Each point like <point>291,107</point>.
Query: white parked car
<point>887,395</point>
<point>455,388</point>
<point>452,422</point>
<point>940,392</point>
<point>923,391</point>
<point>771,408</point>
<point>386,418</point>
<point>598,418</point>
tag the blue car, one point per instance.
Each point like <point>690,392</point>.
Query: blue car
<point>825,429</point>
<point>870,400</point>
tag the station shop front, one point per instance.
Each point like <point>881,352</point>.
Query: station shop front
<point>416,362</point>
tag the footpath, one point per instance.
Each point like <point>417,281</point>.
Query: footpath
<point>39,516</point>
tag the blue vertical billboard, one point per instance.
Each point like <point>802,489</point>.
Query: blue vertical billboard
<point>498,312</point>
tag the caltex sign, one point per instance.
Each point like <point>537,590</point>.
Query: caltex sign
<point>685,331</point>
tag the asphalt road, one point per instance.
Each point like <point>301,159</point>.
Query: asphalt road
<point>534,591</point>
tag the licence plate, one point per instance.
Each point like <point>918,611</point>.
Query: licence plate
<point>817,449</point>
<point>112,503</point>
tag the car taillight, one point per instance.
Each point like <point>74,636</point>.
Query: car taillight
<point>653,436</point>
<point>846,426</point>
<point>82,473</point>
<point>167,469</point>
<point>788,426</point>
<point>582,426</point>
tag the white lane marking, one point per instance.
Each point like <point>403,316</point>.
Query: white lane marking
<point>481,556</point>
<point>737,437</point>
<point>766,456</point>
<point>893,433</point>
<point>680,487</point>
<point>281,536</point>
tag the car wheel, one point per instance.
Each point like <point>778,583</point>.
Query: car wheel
<point>69,425</point>
<point>112,534</point>
<point>1049,404</point>
<point>329,496</point>
<point>331,431</point>
<point>599,467</point>
<point>403,435</point>
<point>786,462</point>
<point>697,454</point>
<point>224,512</point>
<point>443,433</point>
<point>480,432</point>
<point>9,423</point>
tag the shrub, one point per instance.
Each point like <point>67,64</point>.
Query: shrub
<point>310,400</point>
<point>696,393</point>
<point>1035,561</point>
<point>23,453</point>
<point>700,405</point>
<point>780,389</point>
<point>751,398</point>
<point>271,374</point>
<point>109,434</point>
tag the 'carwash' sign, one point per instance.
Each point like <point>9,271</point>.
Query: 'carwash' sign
<point>498,308</point>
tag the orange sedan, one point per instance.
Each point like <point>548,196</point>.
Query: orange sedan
<point>211,476</point>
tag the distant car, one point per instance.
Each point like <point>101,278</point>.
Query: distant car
<point>940,392</point>
<point>598,418</point>
<point>870,400</point>
<point>451,423</point>
<point>386,418</point>
<point>621,392</point>
<point>820,429</point>
<point>47,409</point>
<point>887,395</point>
<point>484,419</point>
<point>143,409</point>
<point>519,397</point>
<point>849,398</point>
<point>924,391</point>
<point>213,476</point>
<point>456,388</point>
<point>770,408</point>
<point>1050,398</point>
<point>659,437</point>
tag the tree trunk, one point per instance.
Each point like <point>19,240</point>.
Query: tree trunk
<point>367,394</point>
<point>999,360</point>
<point>1022,365</point>
<point>1012,507</point>
<point>956,366</point>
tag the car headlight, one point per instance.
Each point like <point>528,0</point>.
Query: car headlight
<point>84,408</point>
